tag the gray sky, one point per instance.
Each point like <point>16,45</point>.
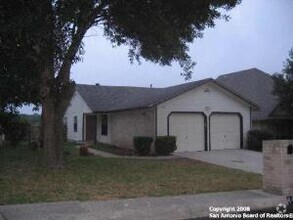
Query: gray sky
<point>259,35</point>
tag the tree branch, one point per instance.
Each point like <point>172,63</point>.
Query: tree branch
<point>64,73</point>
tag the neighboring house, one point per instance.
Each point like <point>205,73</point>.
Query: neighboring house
<point>203,115</point>
<point>257,86</point>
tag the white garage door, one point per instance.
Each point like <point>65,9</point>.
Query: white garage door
<point>225,131</point>
<point>189,131</point>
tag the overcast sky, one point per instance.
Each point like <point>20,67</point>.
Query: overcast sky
<point>259,34</point>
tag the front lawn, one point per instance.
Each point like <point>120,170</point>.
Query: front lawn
<point>113,149</point>
<point>24,180</point>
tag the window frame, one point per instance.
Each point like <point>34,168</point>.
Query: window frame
<point>104,125</point>
<point>75,123</point>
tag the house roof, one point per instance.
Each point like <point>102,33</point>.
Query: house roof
<point>255,85</point>
<point>115,98</point>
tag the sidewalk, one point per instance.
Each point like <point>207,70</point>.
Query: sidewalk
<point>159,208</point>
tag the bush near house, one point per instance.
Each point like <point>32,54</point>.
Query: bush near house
<point>165,145</point>
<point>142,145</point>
<point>255,138</point>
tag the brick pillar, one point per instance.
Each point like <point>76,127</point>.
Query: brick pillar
<point>278,167</point>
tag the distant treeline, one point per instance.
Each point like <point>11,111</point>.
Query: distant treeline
<point>34,119</point>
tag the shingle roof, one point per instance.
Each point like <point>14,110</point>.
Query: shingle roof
<point>114,98</point>
<point>255,85</point>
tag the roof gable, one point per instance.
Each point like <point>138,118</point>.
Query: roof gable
<point>116,98</point>
<point>254,85</point>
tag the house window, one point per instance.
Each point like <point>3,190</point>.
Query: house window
<point>75,123</point>
<point>104,129</point>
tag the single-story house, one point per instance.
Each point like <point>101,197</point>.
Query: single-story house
<point>204,115</point>
<point>257,86</point>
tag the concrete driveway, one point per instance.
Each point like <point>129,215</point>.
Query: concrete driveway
<point>246,160</point>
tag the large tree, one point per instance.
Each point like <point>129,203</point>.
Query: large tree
<point>18,72</point>
<point>283,85</point>
<point>156,30</point>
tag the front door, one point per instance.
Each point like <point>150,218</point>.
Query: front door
<point>91,128</point>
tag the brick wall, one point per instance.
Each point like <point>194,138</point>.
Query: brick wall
<point>278,167</point>
<point>127,124</point>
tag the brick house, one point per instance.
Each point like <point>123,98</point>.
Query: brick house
<point>204,115</point>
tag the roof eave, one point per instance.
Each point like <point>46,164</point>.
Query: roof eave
<point>83,99</point>
<point>120,110</point>
<point>253,105</point>
<point>184,91</point>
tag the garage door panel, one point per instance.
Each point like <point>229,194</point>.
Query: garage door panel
<point>189,131</point>
<point>225,131</point>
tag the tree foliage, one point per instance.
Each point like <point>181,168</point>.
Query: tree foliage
<point>159,30</point>
<point>283,85</point>
<point>46,36</point>
<point>18,69</point>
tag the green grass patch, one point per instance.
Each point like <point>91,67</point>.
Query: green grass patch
<point>23,179</point>
<point>113,149</point>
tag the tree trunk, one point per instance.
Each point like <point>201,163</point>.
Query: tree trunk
<point>52,133</point>
<point>54,105</point>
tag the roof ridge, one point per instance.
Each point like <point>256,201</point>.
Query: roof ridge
<point>81,84</point>
<point>196,81</point>
<point>243,71</point>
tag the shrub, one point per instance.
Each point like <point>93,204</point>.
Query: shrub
<point>255,138</point>
<point>16,131</point>
<point>165,145</point>
<point>83,150</point>
<point>142,145</point>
